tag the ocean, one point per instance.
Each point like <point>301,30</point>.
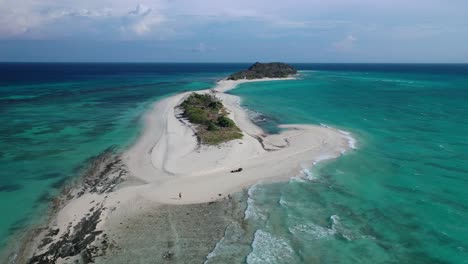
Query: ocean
<point>400,197</point>
<point>56,117</point>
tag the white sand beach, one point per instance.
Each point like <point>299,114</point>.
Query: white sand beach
<point>166,160</point>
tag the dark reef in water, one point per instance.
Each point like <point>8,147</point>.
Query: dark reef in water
<point>102,175</point>
<point>10,187</point>
<point>265,70</point>
<point>141,235</point>
<point>75,241</point>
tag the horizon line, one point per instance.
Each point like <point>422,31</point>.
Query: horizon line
<point>218,62</point>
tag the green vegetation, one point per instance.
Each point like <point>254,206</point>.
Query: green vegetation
<point>208,113</point>
<point>265,70</point>
<point>225,122</point>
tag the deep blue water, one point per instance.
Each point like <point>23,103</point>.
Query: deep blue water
<point>400,198</point>
<point>54,117</point>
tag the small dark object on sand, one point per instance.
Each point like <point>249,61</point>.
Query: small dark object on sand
<point>168,255</point>
<point>238,170</point>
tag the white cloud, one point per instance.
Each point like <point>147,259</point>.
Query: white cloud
<point>141,20</point>
<point>166,18</point>
<point>51,19</point>
<point>17,19</point>
<point>418,31</point>
<point>239,13</point>
<point>346,44</point>
<point>202,48</point>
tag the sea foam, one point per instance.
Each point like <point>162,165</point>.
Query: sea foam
<point>348,136</point>
<point>351,140</point>
<point>228,245</point>
<point>312,231</point>
<point>267,248</point>
<point>252,212</point>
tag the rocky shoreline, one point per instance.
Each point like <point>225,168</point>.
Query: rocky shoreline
<point>165,200</point>
<point>46,243</point>
<point>200,226</point>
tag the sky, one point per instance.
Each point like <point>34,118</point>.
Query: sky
<point>234,31</point>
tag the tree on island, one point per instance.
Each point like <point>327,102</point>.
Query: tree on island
<point>210,117</point>
<point>265,70</point>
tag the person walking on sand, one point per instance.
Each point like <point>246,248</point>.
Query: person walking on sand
<point>180,195</point>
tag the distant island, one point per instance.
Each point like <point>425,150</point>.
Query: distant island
<point>265,70</point>
<point>208,114</point>
<point>191,145</point>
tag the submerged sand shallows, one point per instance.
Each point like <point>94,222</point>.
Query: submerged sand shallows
<point>144,183</point>
<point>167,156</point>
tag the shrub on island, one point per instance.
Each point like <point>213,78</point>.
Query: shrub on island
<point>265,70</point>
<point>224,121</point>
<point>210,117</point>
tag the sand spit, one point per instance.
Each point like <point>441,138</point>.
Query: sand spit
<point>168,158</point>
<point>130,203</point>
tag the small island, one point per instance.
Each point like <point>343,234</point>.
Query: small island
<point>126,201</point>
<point>265,70</point>
<point>210,117</point>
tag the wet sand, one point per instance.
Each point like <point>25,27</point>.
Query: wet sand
<point>128,206</point>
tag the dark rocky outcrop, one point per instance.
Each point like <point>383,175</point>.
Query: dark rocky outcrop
<point>72,243</point>
<point>81,241</point>
<point>265,70</point>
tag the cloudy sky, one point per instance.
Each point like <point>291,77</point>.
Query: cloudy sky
<point>234,31</point>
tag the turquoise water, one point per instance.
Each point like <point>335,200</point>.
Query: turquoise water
<point>55,117</point>
<point>401,197</point>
